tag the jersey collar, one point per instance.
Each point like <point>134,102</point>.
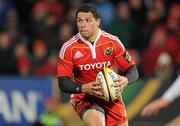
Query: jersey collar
<point>86,41</point>
<point>92,47</point>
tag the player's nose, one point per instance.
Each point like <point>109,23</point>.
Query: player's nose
<point>83,24</point>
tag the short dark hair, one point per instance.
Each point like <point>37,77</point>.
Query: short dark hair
<point>88,8</point>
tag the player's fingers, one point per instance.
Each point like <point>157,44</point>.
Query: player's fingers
<point>151,112</point>
<point>120,88</point>
<point>156,112</point>
<point>119,78</point>
<point>96,83</point>
<point>96,88</point>
<point>119,91</point>
<point>145,112</point>
<point>148,111</point>
<point>119,84</point>
<point>98,93</point>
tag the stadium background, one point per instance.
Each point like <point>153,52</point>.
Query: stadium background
<point>32,31</point>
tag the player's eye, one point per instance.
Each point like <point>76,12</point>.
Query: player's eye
<point>79,20</point>
<point>88,20</point>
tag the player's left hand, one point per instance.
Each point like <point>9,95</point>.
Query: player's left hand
<point>121,83</point>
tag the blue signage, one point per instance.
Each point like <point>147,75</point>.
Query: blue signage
<point>21,99</point>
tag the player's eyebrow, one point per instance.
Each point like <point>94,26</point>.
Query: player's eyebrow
<point>88,17</point>
<point>85,17</point>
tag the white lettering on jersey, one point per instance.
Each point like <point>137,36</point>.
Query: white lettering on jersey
<point>95,65</point>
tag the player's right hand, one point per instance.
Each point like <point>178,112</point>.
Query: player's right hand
<point>93,88</point>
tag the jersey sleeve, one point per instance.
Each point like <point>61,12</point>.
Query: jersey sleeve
<point>173,91</point>
<point>122,56</point>
<point>64,63</point>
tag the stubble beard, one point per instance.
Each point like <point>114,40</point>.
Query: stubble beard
<point>87,37</point>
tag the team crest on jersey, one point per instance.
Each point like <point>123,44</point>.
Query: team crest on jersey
<point>127,56</point>
<point>108,50</point>
<point>78,54</point>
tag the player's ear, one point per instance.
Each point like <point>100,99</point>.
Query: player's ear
<point>98,21</point>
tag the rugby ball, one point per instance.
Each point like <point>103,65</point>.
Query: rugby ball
<point>107,76</point>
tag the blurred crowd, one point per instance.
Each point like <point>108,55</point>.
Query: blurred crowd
<point>57,114</point>
<point>32,32</point>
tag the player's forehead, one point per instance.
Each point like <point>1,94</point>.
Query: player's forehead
<point>85,15</point>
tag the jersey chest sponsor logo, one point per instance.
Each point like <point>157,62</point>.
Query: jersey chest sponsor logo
<point>96,65</point>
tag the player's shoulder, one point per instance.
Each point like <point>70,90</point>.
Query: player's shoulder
<point>66,47</point>
<point>71,41</point>
<point>109,36</point>
<point>112,38</point>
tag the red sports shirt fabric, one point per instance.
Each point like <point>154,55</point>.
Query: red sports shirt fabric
<point>80,59</point>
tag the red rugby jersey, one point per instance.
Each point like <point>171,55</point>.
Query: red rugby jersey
<point>80,59</point>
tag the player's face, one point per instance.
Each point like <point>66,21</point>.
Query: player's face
<point>87,25</point>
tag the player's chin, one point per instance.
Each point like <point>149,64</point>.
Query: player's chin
<point>85,35</point>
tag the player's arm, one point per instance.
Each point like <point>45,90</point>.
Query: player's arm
<point>173,91</point>
<point>125,62</point>
<point>154,107</point>
<point>64,73</point>
<point>67,85</point>
<point>132,74</point>
<point>169,96</point>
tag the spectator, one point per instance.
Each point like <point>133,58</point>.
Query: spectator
<point>50,115</point>
<point>40,54</point>
<point>160,42</point>
<point>138,11</point>
<point>8,63</point>
<point>23,59</point>
<point>164,66</point>
<point>106,10</point>
<point>123,26</point>
<point>44,7</point>
<point>143,37</point>
<point>5,7</point>
<point>12,25</point>
<point>66,30</point>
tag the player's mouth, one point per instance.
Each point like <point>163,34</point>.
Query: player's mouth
<point>84,31</point>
